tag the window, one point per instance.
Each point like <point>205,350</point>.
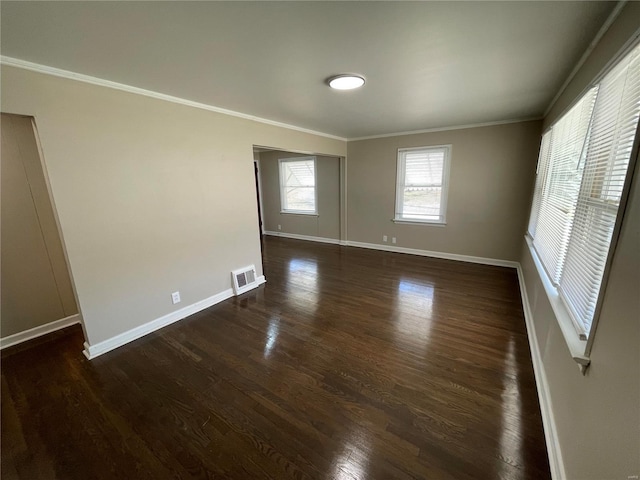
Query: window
<point>421,190</point>
<point>298,185</point>
<point>580,185</point>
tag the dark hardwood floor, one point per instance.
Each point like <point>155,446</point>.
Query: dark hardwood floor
<point>347,364</point>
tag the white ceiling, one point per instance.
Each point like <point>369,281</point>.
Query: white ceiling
<point>427,64</point>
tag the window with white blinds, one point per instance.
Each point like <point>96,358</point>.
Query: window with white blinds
<point>422,181</point>
<point>298,185</point>
<point>584,160</point>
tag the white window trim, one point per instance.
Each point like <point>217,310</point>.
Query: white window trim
<point>445,187</point>
<point>580,347</point>
<point>298,212</point>
<point>315,188</point>
<point>419,222</point>
<point>577,345</point>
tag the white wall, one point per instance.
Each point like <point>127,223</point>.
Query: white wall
<point>152,196</point>
<point>598,415</point>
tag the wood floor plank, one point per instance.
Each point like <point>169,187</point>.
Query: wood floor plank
<point>348,364</point>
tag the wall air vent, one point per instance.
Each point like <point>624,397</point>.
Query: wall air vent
<point>244,279</point>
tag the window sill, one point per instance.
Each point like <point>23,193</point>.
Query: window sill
<point>576,345</point>
<point>418,222</point>
<point>308,214</point>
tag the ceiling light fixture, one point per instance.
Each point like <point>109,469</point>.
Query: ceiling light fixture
<point>346,81</point>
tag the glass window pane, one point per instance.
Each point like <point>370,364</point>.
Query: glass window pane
<point>297,184</point>
<point>422,203</point>
<point>300,198</point>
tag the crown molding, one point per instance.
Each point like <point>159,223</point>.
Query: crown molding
<point>57,72</point>
<point>445,129</point>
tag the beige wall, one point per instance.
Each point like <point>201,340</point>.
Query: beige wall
<point>327,223</point>
<point>488,202</point>
<point>36,288</point>
<point>152,196</point>
<point>598,415</point>
<point>623,29</point>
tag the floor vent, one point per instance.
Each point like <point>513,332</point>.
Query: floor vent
<point>244,279</point>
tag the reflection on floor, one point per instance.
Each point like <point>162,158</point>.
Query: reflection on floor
<point>347,364</point>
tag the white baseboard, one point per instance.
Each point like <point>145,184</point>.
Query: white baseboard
<point>429,253</point>
<point>310,238</point>
<point>544,397</point>
<point>92,351</point>
<point>36,332</point>
<point>388,248</point>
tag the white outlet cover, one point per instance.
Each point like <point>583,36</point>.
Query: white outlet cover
<point>175,297</point>
<point>393,239</point>
<point>384,238</point>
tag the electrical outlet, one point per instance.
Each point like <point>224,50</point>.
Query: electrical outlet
<point>279,227</point>
<point>384,238</point>
<point>393,239</point>
<point>175,297</point>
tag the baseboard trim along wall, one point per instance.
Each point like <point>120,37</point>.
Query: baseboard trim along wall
<point>388,248</point>
<point>36,332</point>
<point>428,253</point>
<point>93,351</point>
<point>544,397</point>
<point>310,238</point>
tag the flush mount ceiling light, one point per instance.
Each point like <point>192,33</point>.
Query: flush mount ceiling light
<point>346,82</point>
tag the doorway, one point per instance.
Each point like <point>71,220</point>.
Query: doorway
<point>36,287</point>
<point>256,170</point>
<point>322,219</point>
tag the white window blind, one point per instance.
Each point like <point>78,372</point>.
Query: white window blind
<point>608,152</point>
<point>298,185</point>
<point>583,164</point>
<point>543,167</point>
<point>421,189</point>
<point>560,185</point>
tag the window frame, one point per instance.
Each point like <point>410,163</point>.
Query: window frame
<point>283,186</point>
<point>401,181</point>
<point>579,343</point>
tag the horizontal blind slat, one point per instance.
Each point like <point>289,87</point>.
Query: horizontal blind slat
<point>613,129</point>
<point>559,190</point>
<point>421,183</point>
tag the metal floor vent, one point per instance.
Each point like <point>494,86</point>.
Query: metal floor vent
<point>244,279</point>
